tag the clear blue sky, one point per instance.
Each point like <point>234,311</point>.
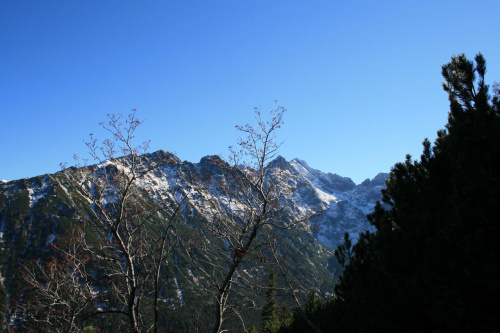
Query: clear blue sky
<point>360,79</point>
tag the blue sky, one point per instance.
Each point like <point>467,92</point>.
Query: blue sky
<point>360,79</point>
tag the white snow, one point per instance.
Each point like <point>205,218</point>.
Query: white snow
<point>36,192</point>
<point>178,291</point>
<point>325,197</point>
<point>194,278</point>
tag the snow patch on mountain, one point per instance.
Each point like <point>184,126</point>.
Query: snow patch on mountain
<point>343,205</point>
<point>37,191</point>
<point>336,203</point>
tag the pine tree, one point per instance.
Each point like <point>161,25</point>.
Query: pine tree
<point>285,315</point>
<point>252,330</point>
<point>313,304</point>
<point>343,252</point>
<point>432,264</point>
<point>270,317</point>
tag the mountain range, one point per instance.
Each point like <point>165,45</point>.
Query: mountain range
<point>35,212</point>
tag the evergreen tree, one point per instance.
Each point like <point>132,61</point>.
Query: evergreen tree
<point>313,310</point>
<point>275,316</point>
<point>433,263</point>
<point>343,252</point>
<point>270,318</point>
<point>252,330</point>
<point>285,315</point>
<point>313,304</point>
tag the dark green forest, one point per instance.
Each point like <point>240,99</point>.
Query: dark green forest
<point>431,265</point>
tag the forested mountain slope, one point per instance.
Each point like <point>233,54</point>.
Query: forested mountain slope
<point>38,213</point>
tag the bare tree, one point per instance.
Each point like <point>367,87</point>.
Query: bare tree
<point>245,201</point>
<point>114,260</point>
<point>292,286</point>
<point>57,293</point>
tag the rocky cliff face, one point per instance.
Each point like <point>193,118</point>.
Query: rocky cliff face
<point>344,205</point>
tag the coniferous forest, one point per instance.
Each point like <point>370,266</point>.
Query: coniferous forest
<point>431,263</point>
